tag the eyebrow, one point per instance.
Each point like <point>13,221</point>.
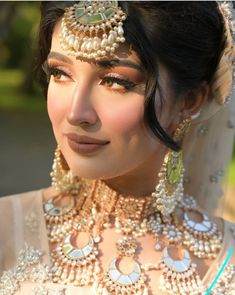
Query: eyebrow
<point>110,63</point>
<point>103,63</point>
<point>59,56</point>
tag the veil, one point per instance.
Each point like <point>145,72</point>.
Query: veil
<point>207,153</point>
<point>208,147</point>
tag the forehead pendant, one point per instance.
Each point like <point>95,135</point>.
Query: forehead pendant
<point>92,29</point>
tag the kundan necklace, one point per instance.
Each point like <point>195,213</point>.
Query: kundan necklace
<point>97,207</point>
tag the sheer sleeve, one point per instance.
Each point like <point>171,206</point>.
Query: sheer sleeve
<point>21,222</point>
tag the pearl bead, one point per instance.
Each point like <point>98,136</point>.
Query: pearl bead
<point>104,43</point>
<point>111,39</point>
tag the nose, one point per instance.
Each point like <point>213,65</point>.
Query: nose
<point>81,109</point>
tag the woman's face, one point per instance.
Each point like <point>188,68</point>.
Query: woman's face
<point>97,113</point>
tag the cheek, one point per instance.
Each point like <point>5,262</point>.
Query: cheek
<point>124,117</point>
<point>55,105</point>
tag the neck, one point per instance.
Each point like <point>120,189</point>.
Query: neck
<point>108,202</point>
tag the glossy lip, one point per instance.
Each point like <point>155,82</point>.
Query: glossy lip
<point>83,144</point>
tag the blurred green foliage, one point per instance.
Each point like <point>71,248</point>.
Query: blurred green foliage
<point>20,26</point>
<point>231,171</point>
<point>18,36</point>
<point>13,99</point>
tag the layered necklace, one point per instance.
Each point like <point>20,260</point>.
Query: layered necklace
<point>97,207</point>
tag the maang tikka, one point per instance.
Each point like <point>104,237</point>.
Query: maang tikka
<point>92,29</point>
<point>169,190</point>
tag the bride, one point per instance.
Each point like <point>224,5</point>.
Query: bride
<point>139,97</point>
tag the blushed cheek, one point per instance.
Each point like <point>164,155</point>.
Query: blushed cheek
<point>124,120</point>
<point>55,107</point>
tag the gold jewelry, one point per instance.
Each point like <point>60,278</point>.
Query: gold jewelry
<point>99,207</point>
<point>114,281</point>
<point>62,178</point>
<point>73,265</point>
<point>202,238</point>
<point>92,29</point>
<point>169,190</point>
<point>59,218</point>
<point>179,276</point>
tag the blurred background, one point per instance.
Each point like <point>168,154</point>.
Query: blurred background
<point>26,140</point>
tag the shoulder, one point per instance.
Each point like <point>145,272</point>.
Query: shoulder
<point>43,193</point>
<point>20,195</point>
<point>11,201</point>
<point>14,209</point>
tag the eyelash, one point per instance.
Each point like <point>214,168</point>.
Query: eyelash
<point>55,70</point>
<point>127,84</point>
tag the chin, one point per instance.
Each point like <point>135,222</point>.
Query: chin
<point>92,171</point>
<point>89,167</point>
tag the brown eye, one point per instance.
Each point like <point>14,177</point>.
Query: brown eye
<point>116,83</point>
<point>109,83</point>
<point>56,74</point>
<point>59,75</point>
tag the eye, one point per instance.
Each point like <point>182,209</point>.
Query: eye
<point>59,75</point>
<point>117,83</point>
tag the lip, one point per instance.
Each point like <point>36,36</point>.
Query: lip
<point>83,144</point>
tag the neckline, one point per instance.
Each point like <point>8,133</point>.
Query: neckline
<point>209,271</point>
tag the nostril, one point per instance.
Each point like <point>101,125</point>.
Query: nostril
<point>84,118</point>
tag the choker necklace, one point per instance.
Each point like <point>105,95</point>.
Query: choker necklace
<point>97,207</point>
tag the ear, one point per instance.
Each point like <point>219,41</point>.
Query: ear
<point>194,100</point>
<point>190,104</point>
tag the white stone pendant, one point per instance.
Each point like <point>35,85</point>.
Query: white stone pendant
<point>55,213</point>
<point>116,282</point>
<point>179,276</point>
<point>59,218</point>
<point>202,238</point>
<point>73,265</point>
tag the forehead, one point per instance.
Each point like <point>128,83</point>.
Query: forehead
<point>123,52</point>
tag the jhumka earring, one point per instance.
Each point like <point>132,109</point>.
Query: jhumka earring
<point>91,29</point>
<point>62,178</point>
<point>169,190</point>
<point>60,218</point>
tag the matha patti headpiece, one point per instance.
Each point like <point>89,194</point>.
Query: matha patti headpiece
<point>91,29</point>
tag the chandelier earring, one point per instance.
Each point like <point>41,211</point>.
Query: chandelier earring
<point>169,190</point>
<point>62,177</point>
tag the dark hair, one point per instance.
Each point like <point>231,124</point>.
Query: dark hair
<point>184,36</point>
